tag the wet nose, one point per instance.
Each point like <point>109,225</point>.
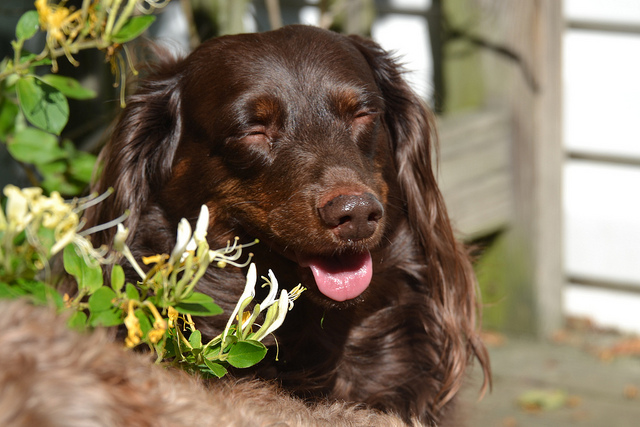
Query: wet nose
<point>352,217</point>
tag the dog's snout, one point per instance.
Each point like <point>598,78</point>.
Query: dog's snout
<point>352,217</point>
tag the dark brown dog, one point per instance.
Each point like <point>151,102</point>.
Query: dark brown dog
<point>311,142</point>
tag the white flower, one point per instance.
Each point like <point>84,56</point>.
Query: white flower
<point>275,317</point>
<point>120,238</point>
<point>200,233</point>
<point>272,282</point>
<point>53,208</point>
<point>247,295</point>
<point>202,225</point>
<point>17,208</point>
<point>184,234</point>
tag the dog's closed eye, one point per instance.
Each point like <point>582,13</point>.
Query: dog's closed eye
<point>257,135</point>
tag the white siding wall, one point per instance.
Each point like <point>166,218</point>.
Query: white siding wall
<point>602,201</point>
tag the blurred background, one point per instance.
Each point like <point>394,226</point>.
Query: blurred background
<point>538,104</point>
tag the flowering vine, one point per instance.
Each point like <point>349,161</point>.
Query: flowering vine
<point>157,310</point>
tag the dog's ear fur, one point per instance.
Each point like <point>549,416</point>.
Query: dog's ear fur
<point>141,151</point>
<point>450,280</point>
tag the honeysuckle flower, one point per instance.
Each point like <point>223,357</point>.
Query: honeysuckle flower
<point>173,316</point>
<point>134,333</point>
<point>120,238</point>
<point>155,335</point>
<point>295,294</point>
<point>200,233</point>
<point>17,208</point>
<point>276,308</point>
<point>275,317</point>
<point>61,25</point>
<point>57,20</point>
<point>231,254</point>
<point>272,282</point>
<point>119,245</point>
<point>182,239</point>
<point>54,210</point>
<point>248,294</point>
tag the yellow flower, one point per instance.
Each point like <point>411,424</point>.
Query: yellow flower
<point>62,27</point>
<point>133,327</point>
<point>153,259</point>
<point>155,335</point>
<point>160,324</point>
<point>58,21</point>
<point>173,316</point>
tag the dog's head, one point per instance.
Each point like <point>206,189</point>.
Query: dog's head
<point>305,139</point>
<point>285,133</point>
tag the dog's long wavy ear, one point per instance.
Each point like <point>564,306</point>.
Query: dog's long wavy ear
<point>139,155</point>
<point>450,280</point>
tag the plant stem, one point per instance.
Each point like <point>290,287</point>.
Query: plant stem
<point>111,18</point>
<point>124,16</point>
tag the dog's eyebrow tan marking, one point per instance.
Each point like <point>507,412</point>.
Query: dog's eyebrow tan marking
<point>266,109</point>
<point>349,101</point>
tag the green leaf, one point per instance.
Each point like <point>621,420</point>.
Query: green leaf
<point>133,28</point>
<point>88,277</point>
<point>246,353</point>
<point>27,25</point>
<point>26,56</point>
<point>60,183</point>
<point>10,292</point>
<point>81,166</point>
<point>216,369</point>
<point>132,292</point>
<point>195,339</point>
<point>102,299</point>
<point>57,167</point>
<point>197,297</point>
<point>146,324</point>
<point>230,341</point>
<point>8,113</point>
<point>69,86</point>
<point>42,104</point>
<point>198,304</point>
<point>78,321</point>
<point>170,350</point>
<point>106,318</point>
<point>34,146</point>
<point>117,278</point>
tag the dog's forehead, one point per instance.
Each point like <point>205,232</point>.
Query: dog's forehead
<point>297,58</point>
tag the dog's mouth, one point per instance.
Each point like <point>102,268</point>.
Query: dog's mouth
<point>341,277</point>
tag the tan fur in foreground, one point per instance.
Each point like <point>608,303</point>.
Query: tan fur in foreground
<point>52,376</point>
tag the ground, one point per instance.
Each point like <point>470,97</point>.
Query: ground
<point>582,378</point>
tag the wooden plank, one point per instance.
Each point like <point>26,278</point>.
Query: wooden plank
<point>534,248</point>
<point>546,200</point>
<point>528,283</point>
<point>474,173</point>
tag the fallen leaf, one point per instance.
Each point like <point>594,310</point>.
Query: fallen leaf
<point>631,391</point>
<point>542,400</point>
<point>493,339</point>
<point>627,347</point>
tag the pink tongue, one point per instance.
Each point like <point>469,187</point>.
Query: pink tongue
<point>344,277</point>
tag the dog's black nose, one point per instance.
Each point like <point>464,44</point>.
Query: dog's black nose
<point>352,217</point>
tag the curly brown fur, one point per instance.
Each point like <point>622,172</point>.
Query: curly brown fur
<point>279,134</point>
<point>51,376</point>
